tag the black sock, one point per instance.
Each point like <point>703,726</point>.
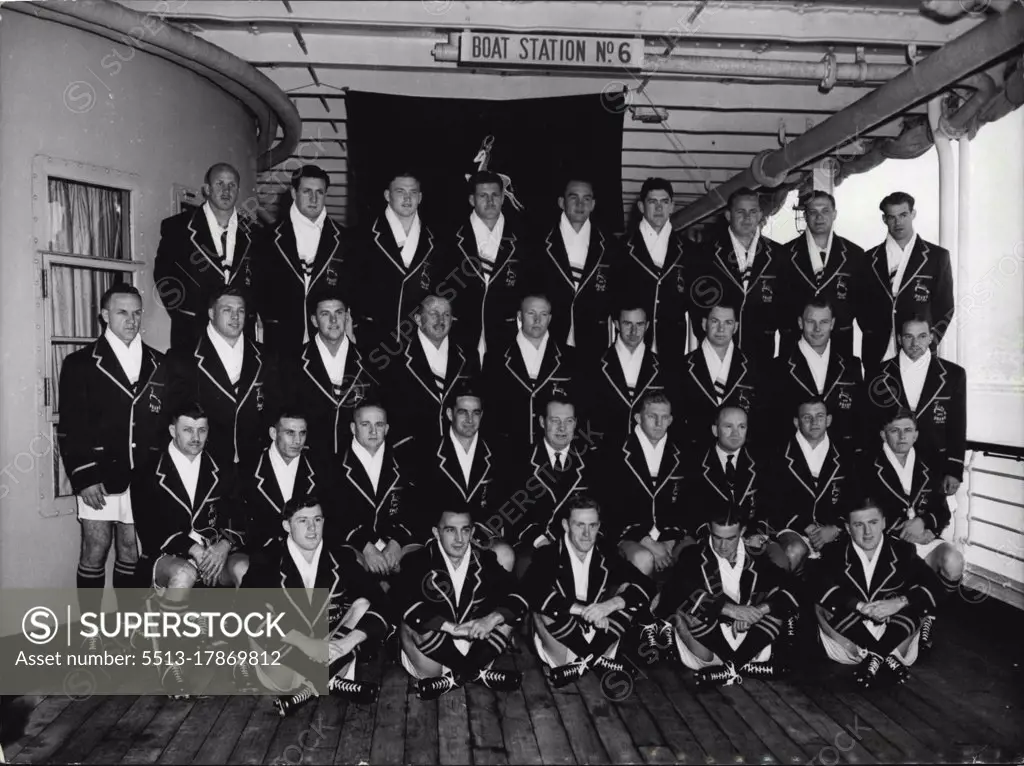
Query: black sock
<point>124,581</point>
<point>91,581</point>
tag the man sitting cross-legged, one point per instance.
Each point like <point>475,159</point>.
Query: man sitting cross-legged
<point>874,592</point>
<point>333,612</point>
<point>728,605</point>
<point>583,601</point>
<point>459,607</point>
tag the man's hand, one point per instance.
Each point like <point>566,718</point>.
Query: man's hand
<point>660,551</point>
<point>93,496</point>
<point>316,649</point>
<point>821,536</point>
<point>740,613</point>
<point>950,485</point>
<point>740,627</point>
<point>347,643</point>
<point>392,552</point>
<point>482,626</point>
<point>375,561</point>
<point>595,612</point>
<point>541,541</point>
<point>880,611</point>
<point>757,541</point>
<point>349,331</point>
<point>913,530</point>
<point>213,560</point>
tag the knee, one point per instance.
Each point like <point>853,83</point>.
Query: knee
<point>182,575</point>
<point>796,551</point>
<point>952,563</point>
<point>237,568</point>
<point>642,559</point>
<point>95,550</point>
<point>506,556</point>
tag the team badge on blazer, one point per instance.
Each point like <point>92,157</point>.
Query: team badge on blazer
<point>842,289</point>
<point>395,501</point>
<point>260,400</point>
<point>155,405</point>
<point>845,400</point>
<point>767,291</point>
<point>680,281</point>
<point>600,281</point>
<point>836,491</point>
<point>939,414</point>
<point>425,277</point>
<point>510,277</point>
<point>911,513</point>
<point>331,276</point>
<point>743,400</point>
<point>921,291</point>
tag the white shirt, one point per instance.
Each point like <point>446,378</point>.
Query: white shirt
<point>307,234</point>
<point>905,473</point>
<point>372,463</point>
<point>552,452</point>
<point>216,230</point>
<point>465,456</point>
<point>745,256</point>
<point>333,363</point>
<point>656,241</point>
<point>437,357</point>
<point>576,243</point>
<point>817,363</point>
<point>487,240</point>
<point>717,367</point>
<point>307,569</point>
<point>188,469</point>
<point>230,356</point>
<point>129,357</point>
<point>869,564</point>
<point>817,262</point>
<point>458,575</point>
<point>723,457</point>
<point>580,570</point>
<point>630,361</point>
<point>913,375</point>
<point>285,474</point>
<point>406,242</point>
<point>815,456</point>
<point>652,452</point>
<point>897,258</point>
<point>532,357</point>
<point>732,573</point>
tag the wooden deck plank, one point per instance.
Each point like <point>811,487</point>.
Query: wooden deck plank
<point>90,734</point>
<point>117,741</point>
<point>453,728</point>
<point>259,730</point>
<point>770,733</point>
<point>680,740</point>
<point>616,738</point>
<point>956,733</point>
<point>43,711</point>
<point>284,745</point>
<point>547,726</point>
<point>586,744</point>
<point>856,728</point>
<point>743,738</point>
<point>44,743</point>
<point>150,743</point>
<point>227,729</point>
<point>657,754</point>
<point>357,731</point>
<point>796,728</point>
<point>638,722</point>
<point>325,730</point>
<point>421,733</point>
<point>387,745</point>
<point>910,746</point>
<point>193,730</point>
<point>713,741</point>
<point>936,745</point>
<point>521,744</point>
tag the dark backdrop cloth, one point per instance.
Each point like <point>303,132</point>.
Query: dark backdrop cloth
<point>537,143</point>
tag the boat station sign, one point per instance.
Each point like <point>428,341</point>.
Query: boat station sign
<point>504,49</point>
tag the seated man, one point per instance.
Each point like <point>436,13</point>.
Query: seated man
<point>583,601</point>
<point>333,611</point>
<point>813,482</point>
<point>874,592</point>
<point>190,523</point>
<point>909,491</point>
<point>728,606</point>
<point>459,607</point>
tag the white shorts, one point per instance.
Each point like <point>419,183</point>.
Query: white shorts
<point>693,662</point>
<point>570,654</point>
<point>811,553</point>
<point>845,652</point>
<point>115,508</point>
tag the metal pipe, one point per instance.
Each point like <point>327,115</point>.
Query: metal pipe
<point>448,51</point>
<point>827,71</point>
<point>957,59</point>
<point>151,33</point>
<point>947,200</point>
<point>963,233</point>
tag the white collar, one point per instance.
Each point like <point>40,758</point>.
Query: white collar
<point>891,245</point>
<point>653,453</point>
<point>398,228</point>
<point>552,452</point>
<point>813,456</point>
<point>570,235</point>
<point>298,219</point>
<point>214,224</point>
<point>307,569</point>
<point>456,572</point>
<point>909,365</point>
<point>432,352</point>
<point>723,456</point>
<point>869,564</point>
<point>741,557</point>
<point>580,569</point>
<point>812,246</point>
<point>333,363</point>
<point>718,367</point>
<point>533,356</point>
<point>364,454</point>
<point>458,445</point>
<point>625,353</point>
<point>180,458</point>
<point>481,232</point>
<point>222,344</point>
<point>649,233</point>
<point>905,473</point>
<point>816,363</point>
<point>748,252</point>
<point>129,356</point>
<point>278,462</point>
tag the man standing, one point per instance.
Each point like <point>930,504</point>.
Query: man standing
<point>200,252</point>
<point>576,271</point>
<point>112,407</point>
<point>303,251</point>
<point>821,264</point>
<point>653,272</point>
<point>742,265</point>
<point>904,274</point>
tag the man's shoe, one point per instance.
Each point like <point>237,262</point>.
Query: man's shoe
<point>244,677</point>
<point>717,675</point>
<point>897,669</point>
<point>924,644</point>
<point>606,665</point>
<point>500,680</point>
<point>867,671</point>
<point>759,670</point>
<point>563,675</point>
<point>432,688</point>
<point>92,645</point>
<point>359,692</point>
<point>174,681</point>
<point>289,703</point>
<point>648,649</point>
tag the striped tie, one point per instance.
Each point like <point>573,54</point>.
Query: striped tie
<point>577,276</point>
<point>487,267</point>
<point>892,276</point>
<point>720,390</point>
<point>439,381</point>
<point>224,256</point>
<point>820,275</point>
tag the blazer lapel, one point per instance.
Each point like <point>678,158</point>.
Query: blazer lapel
<point>636,249</point>
<point>106,361</point>
<point>356,475</point>
<point>208,480</point>
<point>633,454</point>
<point>597,576</point>
<point>210,365</point>
<point>554,247</point>
<point>449,464</point>
<point>738,369</point>
<point>385,242</point>
<point>506,250</point>
<point>145,372</point>
<point>266,481</point>
<point>202,240</point>
<point>829,469</point>
<point>465,242</point>
<point>481,467</point>
<point>934,382</point>
<point>887,475</point>
<point>802,263</point>
<point>456,364</point>
<point>855,572</point>
<point>612,371</point>
<point>880,267</point>
<point>418,366</point>
<point>243,240</point>
<point>514,364</point>
<point>834,373</point>
<point>252,364</point>
<point>724,258</point>
<point>541,468</point>
<point>798,467</point>
<point>698,370</point>
<point>712,466</point>
<point>800,371</point>
<point>650,367</point>
<point>470,588</point>
<point>313,368</point>
<point>288,249</point>
<point>595,254</point>
<point>836,261</point>
<point>549,363</point>
<point>171,483</point>
<point>917,260</point>
<point>670,461</point>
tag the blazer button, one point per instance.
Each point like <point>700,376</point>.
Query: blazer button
<point>133,445</point>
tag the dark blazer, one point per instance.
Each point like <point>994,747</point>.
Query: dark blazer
<point>662,292</point>
<point>386,293</point>
<point>367,516</point>
<point>941,411</point>
<point>264,502</point>
<point>329,410</point>
<point>492,304</point>
<point>637,502</point>
<point>240,415</point>
<point>840,584</point>
<point>537,504</point>
<point>694,589</point>
<point>550,587</point>
<point>609,403</point>
<point>415,403</point>
<point>440,483</point>
<point>927,283</point>
<point>339,582</point>
<point>926,498</point>
<point>716,273</point>
<point>843,394</point>
<point>425,595</point>
<point>841,282</point>
<point>109,429</point>
<point>515,400</point>
<point>188,271</point>
<point>708,490</point>
<point>696,402</point>
<point>798,500</point>
<point>587,309</point>
<point>281,295</point>
<point>164,516</point>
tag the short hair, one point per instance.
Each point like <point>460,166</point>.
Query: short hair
<point>535,294</point>
<point>821,301</point>
<point>403,174</point>
<point>629,303</point>
<point>743,191</point>
<point>811,400</point>
<point>365,404</point>
<point>465,387</point>
<point>726,516</point>
<point>290,412</point>
<point>310,171</point>
<point>187,409</point>
<point>118,288</point>
<point>300,502</point>
<point>653,397</point>
<point>865,503</point>
<point>326,293</point>
<point>894,199</point>
<point>216,168</point>
<point>559,395</point>
<point>724,302</point>
<point>227,291</point>
<point>922,314</point>
<point>898,413</point>
<point>578,179</point>
<point>820,194</point>
<point>729,405</point>
<point>482,177</point>
<point>656,184</point>
<point>462,510</point>
<point>579,501</point>
<point>422,305</point>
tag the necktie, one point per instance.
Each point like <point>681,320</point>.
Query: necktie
<point>821,274</point>
<point>745,267</point>
<point>892,276</point>
<point>730,470</point>
<point>560,461</point>
<point>224,255</point>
